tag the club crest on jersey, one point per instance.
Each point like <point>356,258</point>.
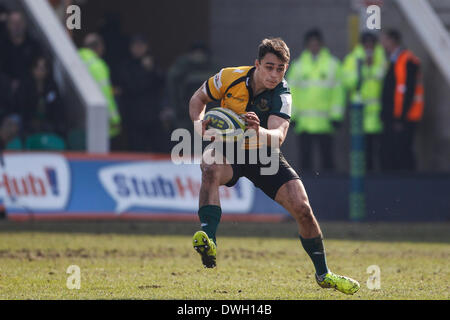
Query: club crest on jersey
<point>263,105</point>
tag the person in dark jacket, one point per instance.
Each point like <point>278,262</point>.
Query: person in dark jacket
<point>18,50</point>
<point>38,102</point>
<point>141,85</point>
<point>402,104</point>
<point>185,76</point>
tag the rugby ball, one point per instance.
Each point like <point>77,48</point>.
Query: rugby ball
<point>225,124</point>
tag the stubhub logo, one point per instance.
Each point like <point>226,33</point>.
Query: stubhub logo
<point>164,185</point>
<point>35,181</point>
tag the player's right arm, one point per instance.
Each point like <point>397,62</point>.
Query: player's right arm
<point>211,90</point>
<point>197,106</point>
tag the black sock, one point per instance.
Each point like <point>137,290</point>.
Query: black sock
<point>314,248</point>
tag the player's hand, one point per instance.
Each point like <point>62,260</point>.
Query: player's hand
<point>252,121</point>
<point>205,124</point>
<point>200,126</point>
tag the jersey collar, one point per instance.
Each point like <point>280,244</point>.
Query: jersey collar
<point>250,74</point>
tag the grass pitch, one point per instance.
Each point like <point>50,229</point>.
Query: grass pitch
<point>143,260</point>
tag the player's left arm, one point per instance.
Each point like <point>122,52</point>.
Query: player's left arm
<point>277,128</point>
<point>278,121</point>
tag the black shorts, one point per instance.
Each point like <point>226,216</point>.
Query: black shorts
<point>269,184</point>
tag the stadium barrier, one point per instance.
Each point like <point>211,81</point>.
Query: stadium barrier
<point>59,186</point>
<point>71,186</point>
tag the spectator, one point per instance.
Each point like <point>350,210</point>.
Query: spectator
<point>18,50</point>
<point>317,100</point>
<point>38,101</point>
<point>92,54</point>
<point>9,133</point>
<point>363,73</point>
<point>185,76</point>
<point>3,21</point>
<point>402,104</point>
<point>141,85</point>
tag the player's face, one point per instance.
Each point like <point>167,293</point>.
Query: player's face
<point>271,70</point>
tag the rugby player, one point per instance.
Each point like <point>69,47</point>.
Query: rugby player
<point>261,95</point>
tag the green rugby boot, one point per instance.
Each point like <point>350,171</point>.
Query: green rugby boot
<point>206,248</point>
<point>340,283</point>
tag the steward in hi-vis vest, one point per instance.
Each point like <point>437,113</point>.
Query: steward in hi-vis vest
<point>402,104</point>
<point>99,70</point>
<point>372,58</point>
<point>317,99</point>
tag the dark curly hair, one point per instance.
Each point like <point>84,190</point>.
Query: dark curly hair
<point>276,46</point>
